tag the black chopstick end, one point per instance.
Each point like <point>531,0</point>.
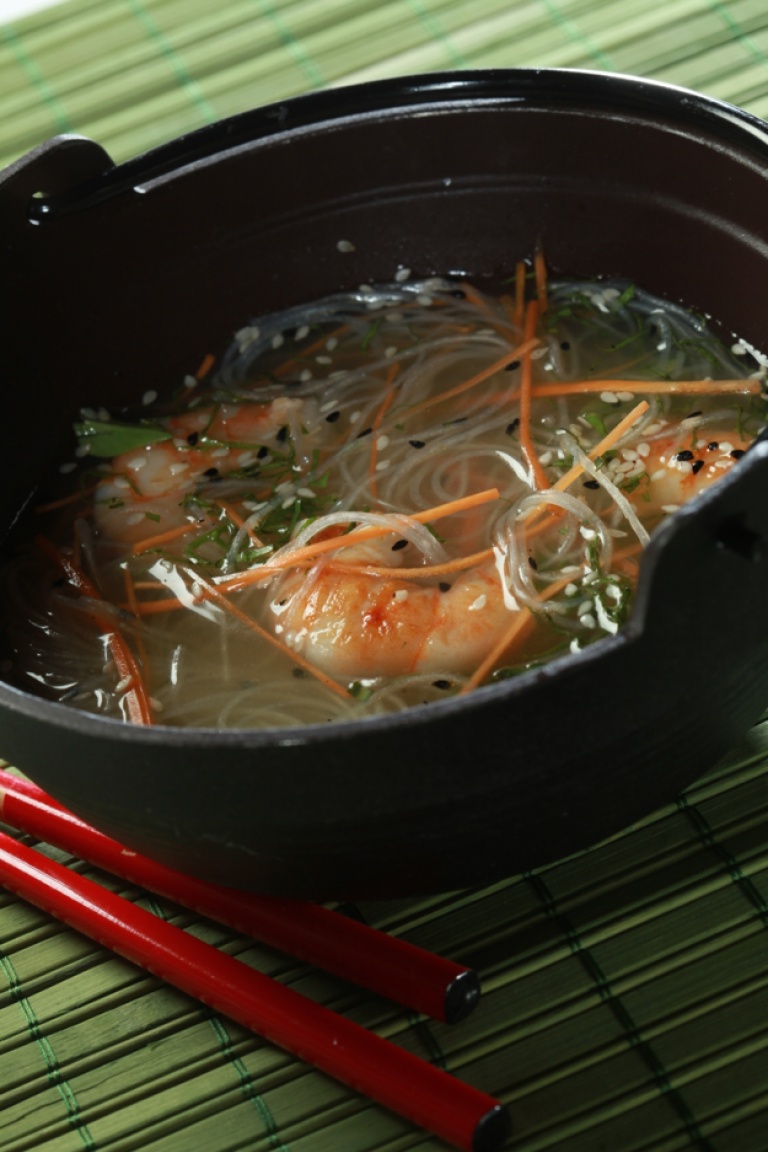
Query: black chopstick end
<point>492,1131</point>
<point>461,996</point>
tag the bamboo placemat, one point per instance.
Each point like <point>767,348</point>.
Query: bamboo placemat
<point>625,990</point>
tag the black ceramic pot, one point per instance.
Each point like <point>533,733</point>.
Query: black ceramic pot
<point>116,279</point>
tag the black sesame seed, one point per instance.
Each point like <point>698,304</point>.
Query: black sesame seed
<point>332,417</point>
<point>458,293</point>
<point>444,586</point>
<point>686,454</point>
<point>262,452</point>
<point>59,582</point>
<point>193,438</point>
<point>417,443</point>
<point>513,364</point>
<point>211,473</point>
<point>365,432</point>
<point>298,673</point>
<point>691,415</point>
<point>532,563</point>
<point>282,434</point>
<point>591,483</point>
<point>697,466</point>
<point>712,446</point>
<point>565,345</point>
<point>737,453</point>
<point>441,684</point>
<point>398,544</point>
<point>512,428</point>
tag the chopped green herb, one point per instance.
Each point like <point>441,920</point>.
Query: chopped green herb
<point>111,438</point>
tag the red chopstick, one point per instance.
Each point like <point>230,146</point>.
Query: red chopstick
<point>383,964</point>
<point>454,1111</point>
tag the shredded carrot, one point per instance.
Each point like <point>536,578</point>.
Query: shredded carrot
<point>478,378</point>
<point>223,601</point>
<point>540,270</point>
<point>429,571</point>
<point>650,387</point>
<point>206,364</point>
<point>136,695</point>
<point>357,536</point>
<point>526,374</point>
<point>73,498</point>
<point>238,521</point>
<point>150,542</point>
<point>522,622</point>
<point>520,274</point>
<point>605,444</point>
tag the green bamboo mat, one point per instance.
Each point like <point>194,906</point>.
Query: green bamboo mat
<point>625,990</point>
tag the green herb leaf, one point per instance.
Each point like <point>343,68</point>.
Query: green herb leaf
<point>110,438</point>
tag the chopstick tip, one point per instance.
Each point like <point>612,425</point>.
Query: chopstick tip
<point>461,996</point>
<point>492,1130</point>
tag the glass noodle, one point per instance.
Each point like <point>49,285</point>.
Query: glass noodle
<point>378,500</point>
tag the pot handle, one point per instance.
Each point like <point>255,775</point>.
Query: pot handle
<point>49,171</point>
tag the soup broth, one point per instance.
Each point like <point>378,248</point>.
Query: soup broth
<point>380,500</point>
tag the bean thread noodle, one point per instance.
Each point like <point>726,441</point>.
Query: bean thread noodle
<point>342,518</point>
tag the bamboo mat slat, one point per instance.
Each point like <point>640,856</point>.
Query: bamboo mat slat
<point>625,989</point>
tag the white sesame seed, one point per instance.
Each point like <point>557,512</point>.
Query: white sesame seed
<point>587,533</point>
<point>669,508</point>
<point>328,406</point>
<point>625,396</point>
<point>278,340</point>
<point>149,397</point>
<point>545,458</point>
<point>124,684</point>
<point>481,602</point>
<point>575,647</point>
<point>683,465</point>
<point>725,447</point>
<point>382,465</point>
<point>390,352</point>
<point>301,332</point>
<point>585,608</point>
<point>643,449</point>
<point>218,452</point>
<point>609,397</point>
<point>305,375</point>
<point>307,493</point>
<point>570,590</point>
<point>659,474</point>
<point>331,343</point>
<point>401,594</point>
<point>382,442</point>
<point>323,360</point>
<point>613,591</point>
<point>121,482</point>
<point>177,469</point>
<point>345,246</point>
<point>190,381</point>
<point>289,500</point>
<point>64,468</point>
<point>134,518</point>
<point>402,274</point>
<point>424,299</point>
<point>137,463</point>
<point>588,620</point>
<point>354,416</point>
<point>82,450</point>
<point>629,453</point>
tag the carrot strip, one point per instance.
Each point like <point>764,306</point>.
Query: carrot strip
<point>206,364</point>
<point>219,598</point>
<point>136,695</point>
<point>526,374</point>
<point>605,444</point>
<point>520,274</point>
<point>540,270</point>
<point>133,605</point>
<point>238,521</point>
<point>522,622</point>
<point>63,501</point>
<point>160,539</point>
<point>459,564</point>
<point>650,387</point>
<point>370,532</point>
<point>478,378</point>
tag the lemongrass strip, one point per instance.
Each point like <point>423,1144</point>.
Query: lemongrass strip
<point>280,561</point>
<point>523,620</point>
<point>478,378</point>
<point>651,387</point>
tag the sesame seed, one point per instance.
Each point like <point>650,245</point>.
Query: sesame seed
<point>301,332</point>
<point>64,468</point>
<point>305,375</point>
<point>134,518</point>
<point>417,443</point>
<point>401,594</point>
<point>669,508</point>
<point>149,397</point>
<point>402,274</point>
<point>177,469</point>
<point>399,544</point>
<point>223,451</point>
<point>382,465</point>
<point>328,406</point>
<point>323,360</point>
<point>331,343</point>
<point>643,449</point>
<point>424,299</point>
<point>345,246</point>
<point>481,601</point>
<point>278,340</point>
<point>190,381</point>
<point>121,482</point>
<point>570,590</point>
<point>124,684</point>
<point>390,352</point>
<point>726,448</point>
<point>659,474</point>
<point>609,397</point>
<point>382,442</point>
<point>585,608</point>
<point>587,533</point>
<point>697,466</point>
<point>588,620</point>
<point>625,397</point>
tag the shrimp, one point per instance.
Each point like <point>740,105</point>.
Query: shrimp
<point>145,489</point>
<point>356,626</point>
<point>676,468</point>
